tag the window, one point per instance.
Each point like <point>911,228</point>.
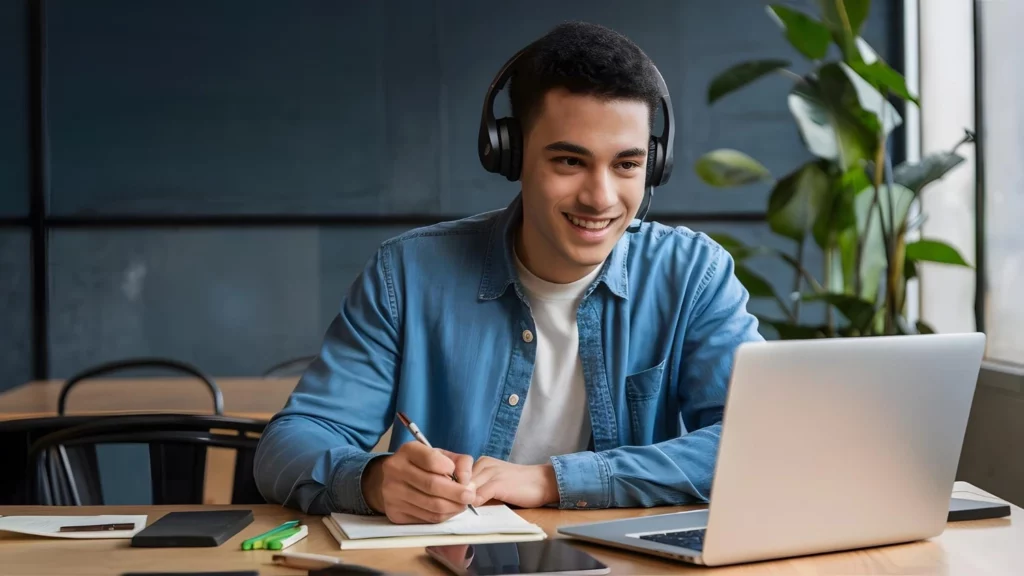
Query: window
<point>1002,146</point>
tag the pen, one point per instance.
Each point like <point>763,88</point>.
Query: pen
<point>303,561</point>
<point>98,527</point>
<point>256,542</point>
<point>423,440</point>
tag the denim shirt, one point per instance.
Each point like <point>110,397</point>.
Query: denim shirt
<point>436,326</point>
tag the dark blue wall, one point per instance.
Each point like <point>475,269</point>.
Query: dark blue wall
<point>320,107</point>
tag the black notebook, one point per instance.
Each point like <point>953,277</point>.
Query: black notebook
<point>193,529</point>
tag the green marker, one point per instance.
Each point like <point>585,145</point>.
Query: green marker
<point>257,542</point>
<point>276,542</point>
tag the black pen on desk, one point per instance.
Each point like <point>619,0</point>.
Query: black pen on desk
<point>423,440</point>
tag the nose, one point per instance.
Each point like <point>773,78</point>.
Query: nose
<point>599,194</point>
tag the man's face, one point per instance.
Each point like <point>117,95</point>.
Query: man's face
<point>584,164</point>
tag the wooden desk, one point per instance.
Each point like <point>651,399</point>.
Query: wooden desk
<point>974,548</point>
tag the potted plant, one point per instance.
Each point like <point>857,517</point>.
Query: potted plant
<point>848,199</point>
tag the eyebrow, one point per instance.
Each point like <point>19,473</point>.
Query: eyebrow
<point>563,146</point>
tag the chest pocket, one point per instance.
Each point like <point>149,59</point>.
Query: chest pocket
<point>642,392</point>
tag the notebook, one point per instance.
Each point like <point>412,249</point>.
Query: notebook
<point>494,524</point>
<point>49,526</point>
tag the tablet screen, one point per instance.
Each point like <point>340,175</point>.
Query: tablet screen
<point>499,559</point>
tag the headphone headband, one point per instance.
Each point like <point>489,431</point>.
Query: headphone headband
<point>500,147</point>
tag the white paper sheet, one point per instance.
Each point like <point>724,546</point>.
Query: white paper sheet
<point>49,526</point>
<point>498,519</point>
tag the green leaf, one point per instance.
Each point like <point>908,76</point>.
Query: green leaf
<point>725,167</point>
<point>804,33</point>
<point>909,270</point>
<point>844,18</point>
<point>879,74</point>
<point>739,75</point>
<point>838,115</point>
<point>924,328</point>
<point>755,284</point>
<point>934,251</point>
<point>791,331</point>
<point>869,227</point>
<point>858,312</point>
<point>867,105</point>
<point>796,200</point>
<point>916,176</point>
<point>738,250</point>
<point>837,213</point>
<point>727,241</point>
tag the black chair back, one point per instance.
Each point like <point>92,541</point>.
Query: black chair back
<point>177,452</point>
<point>174,365</point>
<point>16,437</point>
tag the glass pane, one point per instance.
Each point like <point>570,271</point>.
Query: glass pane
<point>1003,133</point>
<point>14,137</point>
<point>233,302</point>
<point>273,114</point>
<point>15,309</point>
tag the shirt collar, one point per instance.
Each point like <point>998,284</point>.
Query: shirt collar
<point>499,267</point>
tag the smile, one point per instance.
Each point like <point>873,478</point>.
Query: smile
<point>588,224</point>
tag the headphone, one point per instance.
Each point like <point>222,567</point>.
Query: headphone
<point>500,143</point>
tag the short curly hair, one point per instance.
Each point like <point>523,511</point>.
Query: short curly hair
<point>583,58</point>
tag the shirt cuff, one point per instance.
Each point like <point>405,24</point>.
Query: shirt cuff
<point>584,480</point>
<point>347,484</point>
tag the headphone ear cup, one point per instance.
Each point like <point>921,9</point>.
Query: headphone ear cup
<point>653,159</point>
<point>503,154</point>
<point>515,149</point>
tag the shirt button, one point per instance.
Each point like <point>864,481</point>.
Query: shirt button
<point>582,504</point>
<point>513,399</point>
<point>527,336</point>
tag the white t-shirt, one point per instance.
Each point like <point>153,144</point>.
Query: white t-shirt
<point>555,418</point>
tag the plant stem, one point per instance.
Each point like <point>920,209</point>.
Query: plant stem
<point>830,321</point>
<point>798,279</point>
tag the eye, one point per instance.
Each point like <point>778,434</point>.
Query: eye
<point>568,160</point>
<point>630,165</point>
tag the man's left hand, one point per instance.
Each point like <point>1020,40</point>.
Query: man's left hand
<point>516,484</point>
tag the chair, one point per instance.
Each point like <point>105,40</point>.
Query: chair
<point>174,365</point>
<point>64,473</point>
<point>16,437</point>
<point>293,367</point>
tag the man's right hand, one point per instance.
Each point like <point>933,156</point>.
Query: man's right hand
<point>413,485</point>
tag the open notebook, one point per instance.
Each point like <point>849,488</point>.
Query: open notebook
<point>494,524</point>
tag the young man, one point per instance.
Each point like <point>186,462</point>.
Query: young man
<point>550,356</point>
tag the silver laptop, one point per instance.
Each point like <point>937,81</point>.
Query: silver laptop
<point>827,445</point>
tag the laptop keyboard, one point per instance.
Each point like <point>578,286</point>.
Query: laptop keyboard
<point>691,539</point>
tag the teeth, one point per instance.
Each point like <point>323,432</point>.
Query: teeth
<point>588,224</point>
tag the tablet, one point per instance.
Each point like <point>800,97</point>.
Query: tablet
<point>962,509</point>
<point>500,559</point>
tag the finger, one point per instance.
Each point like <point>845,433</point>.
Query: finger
<point>429,459</point>
<point>438,485</point>
<point>485,493</point>
<point>428,503</point>
<point>463,465</point>
<point>483,464</point>
<point>485,488</point>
